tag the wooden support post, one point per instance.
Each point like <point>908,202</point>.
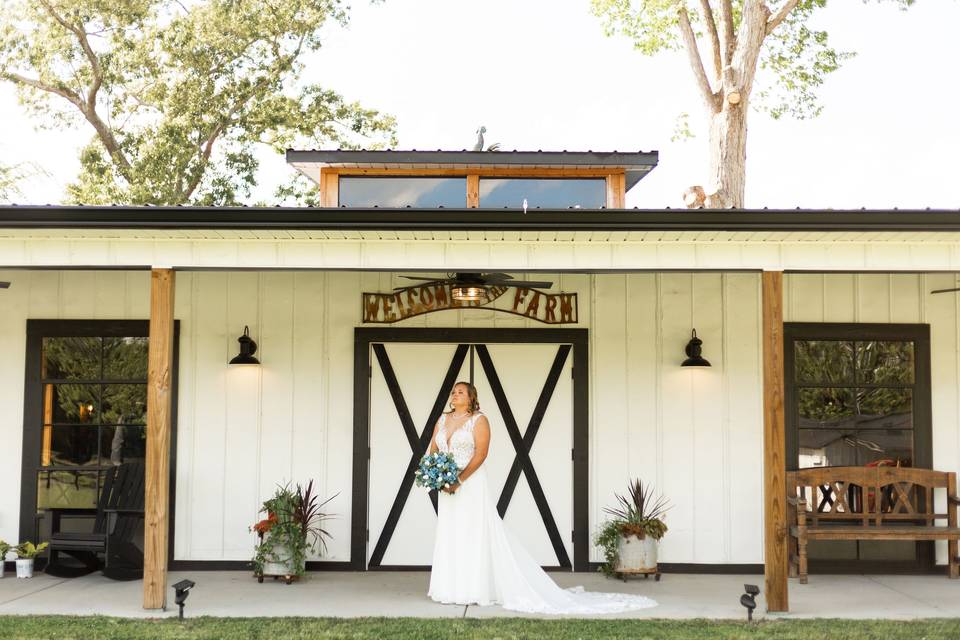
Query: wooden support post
<point>774,468</point>
<point>616,191</point>
<point>473,190</point>
<point>157,480</point>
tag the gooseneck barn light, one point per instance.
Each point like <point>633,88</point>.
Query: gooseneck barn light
<point>694,359</point>
<point>247,348</point>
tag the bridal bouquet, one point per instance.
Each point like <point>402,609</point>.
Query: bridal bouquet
<point>436,471</point>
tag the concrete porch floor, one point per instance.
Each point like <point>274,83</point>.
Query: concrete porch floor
<point>237,594</point>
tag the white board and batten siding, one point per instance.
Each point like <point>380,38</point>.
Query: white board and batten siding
<point>694,434</point>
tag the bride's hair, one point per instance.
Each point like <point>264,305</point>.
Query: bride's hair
<point>472,394</point>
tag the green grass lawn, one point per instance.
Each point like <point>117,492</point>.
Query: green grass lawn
<point>101,628</point>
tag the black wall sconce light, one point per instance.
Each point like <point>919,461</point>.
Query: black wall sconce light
<point>182,590</point>
<point>694,359</point>
<point>247,348</point>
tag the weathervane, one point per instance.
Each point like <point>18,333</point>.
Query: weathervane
<point>479,145</point>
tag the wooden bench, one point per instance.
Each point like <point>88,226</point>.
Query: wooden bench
<point>868,503</point>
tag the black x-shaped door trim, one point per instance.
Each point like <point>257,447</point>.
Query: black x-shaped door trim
<point>365,337</point>
<point>522,444</point>
<point>418,444</point>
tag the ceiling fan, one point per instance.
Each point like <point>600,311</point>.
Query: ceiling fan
<point>945,290</point>
<point>469,286</point>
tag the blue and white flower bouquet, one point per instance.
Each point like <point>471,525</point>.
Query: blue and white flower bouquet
<point>436,471</point>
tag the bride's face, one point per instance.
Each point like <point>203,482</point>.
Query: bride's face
<point>459,397</point>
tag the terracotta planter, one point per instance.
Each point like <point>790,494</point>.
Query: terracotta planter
<point>637,555</point>
<point>24,567</point>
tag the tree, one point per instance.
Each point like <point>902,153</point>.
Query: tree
<point>178,94</point>
<point>11,175</point>
<point>739,36</point>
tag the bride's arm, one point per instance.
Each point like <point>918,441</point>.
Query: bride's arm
<point>481,440</point>
<point>433,439</point>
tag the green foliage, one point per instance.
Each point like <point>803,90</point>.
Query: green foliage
<point>795,57</point>
<point>640,513</point>
<point>5,548</point>
<point>179,95</point>
<point>12,175</point>
<point>26,550</point>
<point>292,528</point>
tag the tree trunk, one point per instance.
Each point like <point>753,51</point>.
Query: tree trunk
<point>728,156</point>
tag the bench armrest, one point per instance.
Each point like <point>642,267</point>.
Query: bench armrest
<point>797,502</point>
<point>953,499</point>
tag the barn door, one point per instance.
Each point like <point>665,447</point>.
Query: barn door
<point>526,391</point>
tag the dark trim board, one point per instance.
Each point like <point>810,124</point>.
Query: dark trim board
<point>405,219</point>
<point>32,440</point>
<point>364,337</point>
<point>704,569</point>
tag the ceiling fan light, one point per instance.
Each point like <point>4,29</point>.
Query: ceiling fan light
<point>468,293</point>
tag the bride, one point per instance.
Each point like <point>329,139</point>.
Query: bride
<point>476,560</point>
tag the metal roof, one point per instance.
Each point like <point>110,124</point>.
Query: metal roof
<point>635,164</point>
<point>604,220</point>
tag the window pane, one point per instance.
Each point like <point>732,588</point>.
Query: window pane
<point>125,358</point>
<point>122,444</point>
<point>884,446</point>
<point>885,408</point>
<point>124,404</point>
<point>74,403</point>
<point>73,446</point>
<point>71,358</point>
<point>67,490</point>
<point>545,193</point>
<point>826,407</point>
<point>366,191</point>
<point>885,362</point>
<point>824,448</point>
<point>841,447</point>
<point>823,361</point>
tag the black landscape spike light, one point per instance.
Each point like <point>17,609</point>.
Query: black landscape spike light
<point>182,590</point>
<point>247,348</point>
<point>693,350</point>
<point>749,599</point>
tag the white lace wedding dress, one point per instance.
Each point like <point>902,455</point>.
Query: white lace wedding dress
<point>476,560</point>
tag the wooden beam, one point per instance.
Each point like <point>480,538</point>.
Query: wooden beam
<point>616,191</point>
<point>496,172</point>
<point>157,480</point>
<point>774,463</point>
<point>473,191</point>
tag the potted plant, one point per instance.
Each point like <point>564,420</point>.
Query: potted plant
<point>26,552</point>
<point>293,527</point>
<point>4,550</point>
<point>629,539</point>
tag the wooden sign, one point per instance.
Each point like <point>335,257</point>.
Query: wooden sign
<point>549,308</point>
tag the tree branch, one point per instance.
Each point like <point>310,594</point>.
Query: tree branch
<point>714,37</point>
<point>780,15</point>
<point>696,63</point>
<point>729,40</point>
<point>72,96</point>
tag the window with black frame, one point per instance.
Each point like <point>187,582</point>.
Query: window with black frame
<point>85,410</point>
<point>94,409</point>
<point>859,395</point>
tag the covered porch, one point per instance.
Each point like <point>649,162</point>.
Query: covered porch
<point>688,266</point>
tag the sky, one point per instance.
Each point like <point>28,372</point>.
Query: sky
<point>540,74</point>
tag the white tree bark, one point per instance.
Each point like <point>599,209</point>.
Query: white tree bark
<point>726,107</point>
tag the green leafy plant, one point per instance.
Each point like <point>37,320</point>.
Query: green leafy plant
<point>27,550</point>
<point>293,527</point>
<point>4,549</point>
<point>640,513</point>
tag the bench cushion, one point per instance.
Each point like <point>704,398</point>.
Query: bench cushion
<point>886,532</point>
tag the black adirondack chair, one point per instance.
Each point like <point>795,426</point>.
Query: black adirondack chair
<point>119,517</point>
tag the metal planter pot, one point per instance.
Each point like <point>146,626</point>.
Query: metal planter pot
<point>24,567</point>
<point>637,555</point>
